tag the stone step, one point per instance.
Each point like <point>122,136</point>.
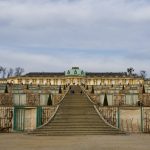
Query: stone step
<point>76,110</point>
<point>76,124</point>
<point>72,113</point>
<point>76,103</point>
<point>82,99</point>
<point>55,122</point>
<point>78,127</point>
<point>59,133</point>
<point>76,116</point>
<point>76,121</point>
<point>72,130</point>
<point>75,107</point>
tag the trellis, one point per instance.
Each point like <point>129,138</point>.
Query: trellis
<point>6,119</point>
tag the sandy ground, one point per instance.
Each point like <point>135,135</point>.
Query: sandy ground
<point>100,142</point>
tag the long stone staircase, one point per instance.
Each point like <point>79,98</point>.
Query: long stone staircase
<point>76,116</point>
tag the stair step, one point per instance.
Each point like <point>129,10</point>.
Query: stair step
<point>71,106</point>
<point>76,123</point>
<point>73,124</point>
<point>76,116</point>
<point>75,130</point>
<point>88,128</point>
<point>77,133</point>
<point>77,119</point>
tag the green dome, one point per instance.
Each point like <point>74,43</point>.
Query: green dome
<point>75,71</point>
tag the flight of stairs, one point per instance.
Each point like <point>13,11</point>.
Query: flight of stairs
<point>76,116</point>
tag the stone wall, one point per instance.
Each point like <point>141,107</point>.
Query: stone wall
<point>6,119</point>
<point>28,99</point>
<point>128,99</point>
<point>109,114</point>
<point>47,113</point>
<point>14,119</point>
<point>129,119</point>
<point>5,99</point>
<point>146,119</point>
<point>56,98</point>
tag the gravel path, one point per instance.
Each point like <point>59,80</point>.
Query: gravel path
<point>100,142</point>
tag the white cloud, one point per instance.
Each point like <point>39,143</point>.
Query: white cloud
<point>114,26</point>
<point>61,62</point>
<point>85,24</point>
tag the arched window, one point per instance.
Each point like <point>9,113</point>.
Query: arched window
<point>68,72</point>
<point>75,72</point>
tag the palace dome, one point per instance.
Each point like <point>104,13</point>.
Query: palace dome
<point>75,71</point>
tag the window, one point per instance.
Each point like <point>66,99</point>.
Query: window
<point>68,72</point>
<point>75,72</point>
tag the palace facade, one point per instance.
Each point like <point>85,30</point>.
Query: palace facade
<point>34,98</point>
<point>75,75</point>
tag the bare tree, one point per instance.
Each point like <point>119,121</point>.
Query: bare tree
<point>143,74</point>
<point>3,71</point>
<point>130,71</point>
<point>10,72</point>
<point>1,68</point>
<point>19,71</point>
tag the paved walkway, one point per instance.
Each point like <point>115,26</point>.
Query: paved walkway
<point>100,142</point>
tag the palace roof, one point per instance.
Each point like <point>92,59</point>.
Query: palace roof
<point>44,74</point>
<point>90,74</point>
<point>107,74</point>
<point>76,71</point>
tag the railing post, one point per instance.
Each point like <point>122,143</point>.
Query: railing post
<point>14,118</point>
<point>39,116</point>
<point>118,117</point>
<point>141,118</point>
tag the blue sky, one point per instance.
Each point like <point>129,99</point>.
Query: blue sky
<point>96,35</point>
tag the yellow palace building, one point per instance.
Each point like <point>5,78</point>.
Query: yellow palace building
<point>76,76</point>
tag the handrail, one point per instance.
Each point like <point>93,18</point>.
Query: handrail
<point>98,111</point>
<point>100,115</point>
<point>62,98</point>
<point>87,96</point>
<point>57,107</point>
<point>49,120</point>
